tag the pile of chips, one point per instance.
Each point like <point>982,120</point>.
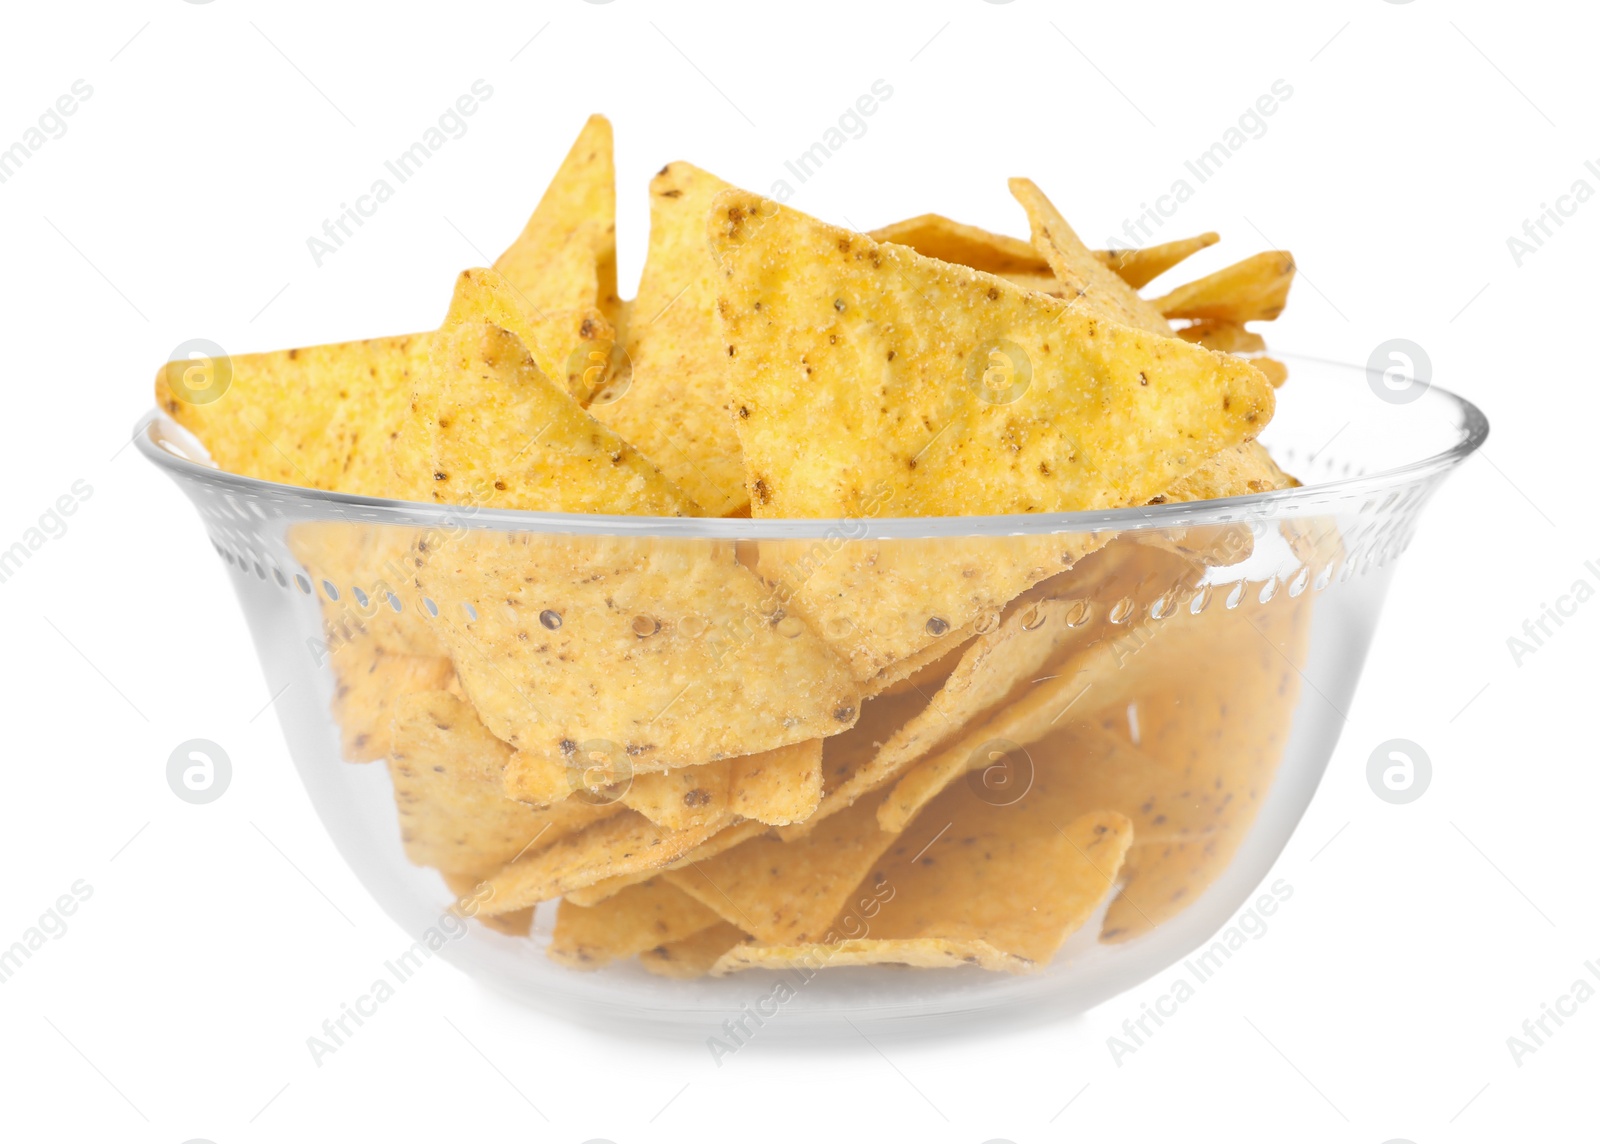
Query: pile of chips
<point>841,750</point>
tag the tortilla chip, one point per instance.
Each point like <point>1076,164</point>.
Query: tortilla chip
<point>639,918</point>
<point>900,671</point>
<point>1235,472</point>
<point>681,798</point>
<point>518,923</point>
<point>935,236</point>
<point>725,839</point>
<point>998,886</point>
<point>811,310</point>
<point>777,787</point>
<point>1090,284</point>
<point>369,567</point>
<point>844,757</point>
<point>1139,267</point>
<point>677,408</point>
<point>694,955</point>
<point>786,892</point>
<point>624,843</point>
<point>1218,721</point>
<point>489,430</point>
<point>322,417</point>
<point>369,682</point>
<point>566,257</point>
<point>1224,337</point>
<point>660,653</point>
<point>1272,369</point>
<point>557,341</point>
<point>1253,289</point>
<point>929,670</point>
<point>448,774</point>
<point>881,604</point>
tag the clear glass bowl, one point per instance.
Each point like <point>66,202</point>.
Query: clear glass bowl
<point>1235,631</point>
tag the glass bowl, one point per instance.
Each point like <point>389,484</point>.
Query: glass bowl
<point>1158,692</point>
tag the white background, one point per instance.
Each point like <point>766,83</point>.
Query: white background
<point>177,205</point>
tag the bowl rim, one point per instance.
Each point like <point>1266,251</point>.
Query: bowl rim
<point>1472,428</point>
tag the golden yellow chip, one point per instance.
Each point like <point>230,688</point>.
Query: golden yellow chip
<point>448,773</point>
<point>1139,267</point>
<point>935,236</point>
<point>489,430</point>
<point>1253,289</point>
<point>874,382</point>
<point>681,798</point>
<point>694,955</point>
<point>465,887</point>
<point>1272,369</point>
<point>1000,886</point>
<point>1224,337</point>
<point>1090,284</point>
<point>899,674</point>
<point>602,657</point>
<point>676,407</point>
<point>559,342</point>
<point>786,892</point>
<point>369,680</point>
<point>777,787</point>
<point>1235,472</point>
<point>725,839</point>
<point>566,256</point>
<point>641,917</point>
<point>369,567</point>
<point>624,843</point>
<point>321,417</point>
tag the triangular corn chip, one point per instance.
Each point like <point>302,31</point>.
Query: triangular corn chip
<point>694,955</point>
<point>655,653</point>
<point>1090,284</point>
<point>935,236</point>
<point>566,256</point>
<point>369,567</point>
<point>1224,337</point>
<point>321,417</point>
<point>448,773</point>
<point>518,923</point>
<point>786,892</point>
<point>997,886</point>
<point>1253,289</point>
<point>369,678</point>
<point>681,798</point>
<point>1140,266</point>
<point>558,341</point>
<point>777,787</point>
<point>488,429</point>
<point>641,917</point>
<point>811,312</point>
<point>725,839</point>
<point>676,407</point>
<point>622,844</point>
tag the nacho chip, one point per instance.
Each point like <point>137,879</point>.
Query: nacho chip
<point>786,892</point>
<point>369,681</point>
<point>777,787</point>
<point>321,417</point>
<point>566,256</point>
<point>994,400</point>
<point>489,430</point>
<point>448,774</point>
<point>1253,289</point>
<point>998,886</point>
<point>1272,369</point>
<point>1090,284</point>
<point>369,567</point>
<point>657,653</point>
<point>1218,721</point>
<point>677,408</point>
<point>725,839</point>
<point>552,339</point>
<point>466,888</point>
<point>1139,267</point>
<point>681,798</point>
<point>929,672</point>
<point>1224,337</point>
<point>898,673</point>
<point>641,917</point>
<point>624,843</point>
<point>694,955</point>
<point>1235,472</point>
<point>935,236</point>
